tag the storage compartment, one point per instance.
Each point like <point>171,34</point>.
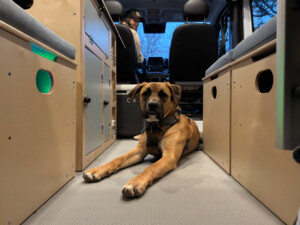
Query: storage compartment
<point>216,117</point>
<point>93,35</point>
<point>130,121</point>
<point>37,126</point>
<point>96,28</point>
<point>270,174</point>
<point>93,102</point>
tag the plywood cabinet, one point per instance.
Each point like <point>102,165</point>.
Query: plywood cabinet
<point>37,125</point>
<point>216,114</point>
<point>269,173</point>
<point>87,25</point>
<point>247,90</point>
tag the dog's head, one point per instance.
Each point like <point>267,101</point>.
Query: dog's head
<point>157,100</point>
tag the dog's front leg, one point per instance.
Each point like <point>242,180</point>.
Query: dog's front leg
<point>134,156</point>
<point>137,186</point>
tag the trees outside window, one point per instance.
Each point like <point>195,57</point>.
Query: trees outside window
<point>263,11</point>
<point>157,45</point>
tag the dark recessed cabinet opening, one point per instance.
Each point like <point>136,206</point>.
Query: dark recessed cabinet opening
<point>264,81</point>
<point>25,4</point>
<point>214,91</point>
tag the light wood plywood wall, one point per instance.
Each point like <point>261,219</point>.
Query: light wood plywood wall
<point>68,19</point>
<point>37,129</point>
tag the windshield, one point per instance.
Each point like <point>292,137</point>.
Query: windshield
<point>157,45</point>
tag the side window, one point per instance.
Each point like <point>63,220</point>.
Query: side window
<point>262,12</point>
<point>225,34</point>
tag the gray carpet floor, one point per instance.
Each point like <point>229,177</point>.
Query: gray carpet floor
<point>198,192</point>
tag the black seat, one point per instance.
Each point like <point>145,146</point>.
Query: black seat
<point>194,46</point>
<point>126,57</point>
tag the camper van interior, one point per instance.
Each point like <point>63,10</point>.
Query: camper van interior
<point>67,68</point>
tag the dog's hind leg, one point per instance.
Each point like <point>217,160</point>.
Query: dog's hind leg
<point>136,155</point>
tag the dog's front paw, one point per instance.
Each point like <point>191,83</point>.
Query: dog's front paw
<point>134,189</point>
<point>92,176</point>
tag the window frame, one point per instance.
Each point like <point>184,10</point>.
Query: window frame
<point>226,12</point>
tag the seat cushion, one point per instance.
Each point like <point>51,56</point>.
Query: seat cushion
<point>15,16</point>
<point>263,35</point>
<point>222,61</point>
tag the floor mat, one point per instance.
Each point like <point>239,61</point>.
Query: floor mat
<point>197,192</point>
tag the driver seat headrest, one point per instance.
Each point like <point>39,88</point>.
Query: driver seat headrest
<point>115,9</point>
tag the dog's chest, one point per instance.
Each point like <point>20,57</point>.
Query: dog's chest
<point>153,142</point>
<point>154,151</point>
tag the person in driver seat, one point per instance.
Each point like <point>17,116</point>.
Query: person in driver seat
<point>132,19</point>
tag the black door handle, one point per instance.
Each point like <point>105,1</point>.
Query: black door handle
<point>105,103</point>
<point>87,99</point>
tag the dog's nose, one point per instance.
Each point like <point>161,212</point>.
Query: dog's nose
<point>153,105</point>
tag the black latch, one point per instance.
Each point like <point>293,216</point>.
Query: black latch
<point>87,99</point>
<point>105,103</point>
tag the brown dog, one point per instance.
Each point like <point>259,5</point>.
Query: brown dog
<point>168,134</point>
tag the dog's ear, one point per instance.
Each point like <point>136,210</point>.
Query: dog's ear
<point>176,92</point>
<point>136,90</point>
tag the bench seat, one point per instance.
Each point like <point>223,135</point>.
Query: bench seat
<point>18,18</point>
<point>260,37</point>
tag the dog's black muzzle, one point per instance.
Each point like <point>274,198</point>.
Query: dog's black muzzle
<point>153,109</point>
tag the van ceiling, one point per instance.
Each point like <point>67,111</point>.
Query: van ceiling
<point>161,11</point>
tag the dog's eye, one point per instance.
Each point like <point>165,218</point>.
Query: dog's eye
<point>162,95</point>
<point>146,94</point>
